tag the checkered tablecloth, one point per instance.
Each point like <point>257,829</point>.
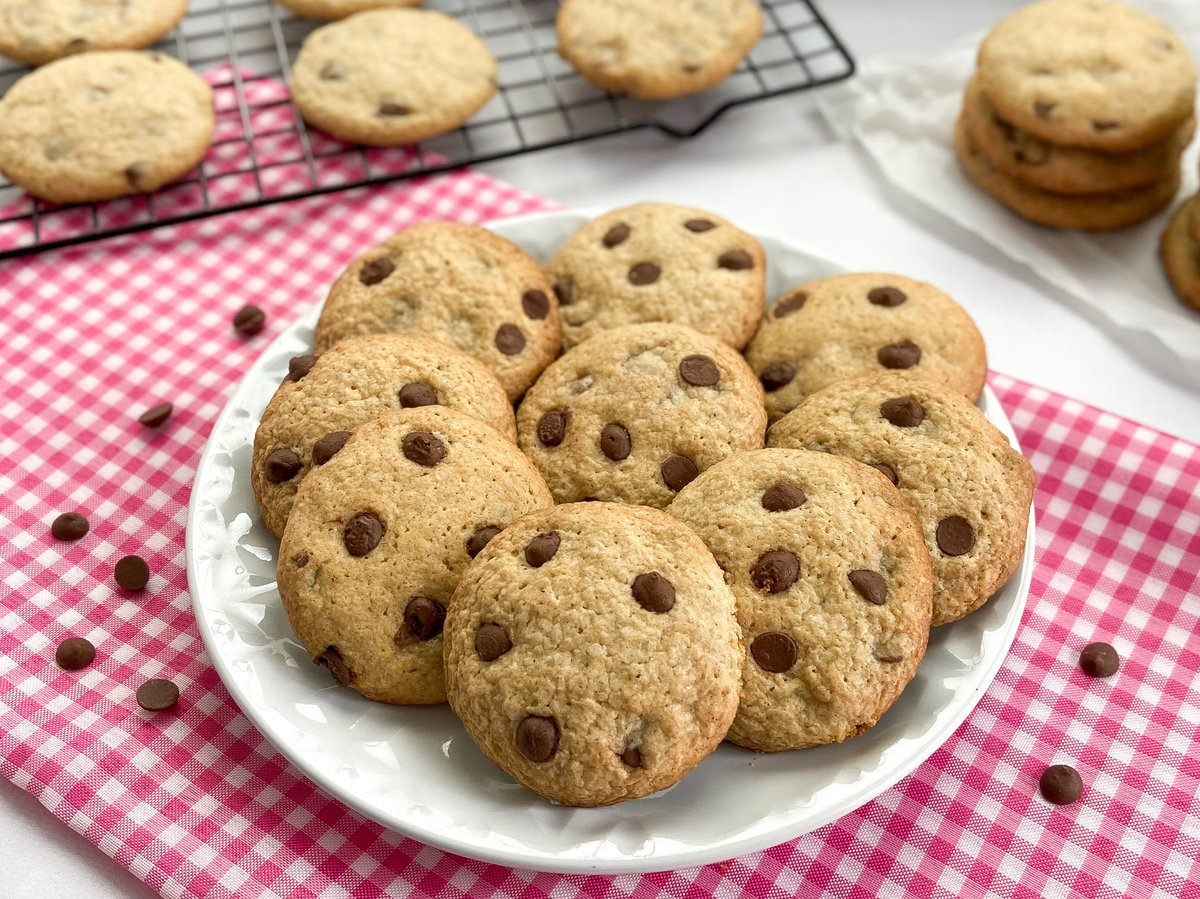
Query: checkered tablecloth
<point>196,803</point>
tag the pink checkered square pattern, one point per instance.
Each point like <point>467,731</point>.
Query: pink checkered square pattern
<point>197,804</point>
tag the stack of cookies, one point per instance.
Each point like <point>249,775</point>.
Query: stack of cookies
<point>1078,113</point>
<point>614,580</point>
<point>1179,249</point>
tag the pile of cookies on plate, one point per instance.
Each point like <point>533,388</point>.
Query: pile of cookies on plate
<point>632,567</point>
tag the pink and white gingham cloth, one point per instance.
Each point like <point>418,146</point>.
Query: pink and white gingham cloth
<point>197,804</point>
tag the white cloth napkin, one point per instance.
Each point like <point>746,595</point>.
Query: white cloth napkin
<point>902,111</point>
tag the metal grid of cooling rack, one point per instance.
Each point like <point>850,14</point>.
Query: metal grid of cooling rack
<point>263,153</point>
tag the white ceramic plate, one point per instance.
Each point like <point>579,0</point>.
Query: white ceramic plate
<point>415,769</point>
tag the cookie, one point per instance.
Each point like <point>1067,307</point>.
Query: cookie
<point>315,409</point>
<point>656,49</point>
<point>1193,221</point>
<point>833,586</point>
<point>106,124</point>
<point>1066,170</point>
<point>1181,254</point>
<point>969,488</point>
<point>380,535</point>
<point>459,283</point>
<point>1100,212</point>
<point>387,77</point>
<point>635,413</point>
<point>659,262</point>
<point>38,31</point>
<point>339,9</point>
<point>846,325</point>
<point>593,653</point>
<point>1088,73</point>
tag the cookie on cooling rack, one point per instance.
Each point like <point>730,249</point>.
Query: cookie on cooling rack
<point>38,32</point>
<point>339,9</point>
<point>592,652</point>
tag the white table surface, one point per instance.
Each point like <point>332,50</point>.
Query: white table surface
<point>772,166</point>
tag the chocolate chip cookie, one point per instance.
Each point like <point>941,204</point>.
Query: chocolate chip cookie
<point>592,651</point>
<point>1088,73</point>
<point>656,49</point>
<point>339,9</point>
<point>833,586</point>
<point>38,31</point>
<point>379,536</point>
<point>1181,254</point>
<point>659,262</point>
<point>635,413</point>
<point>969,488</point>
<point>388,77</point>
<point>106,124</point>
<point>315,409</point>
<point>459,283</point>
<point>846,325</point>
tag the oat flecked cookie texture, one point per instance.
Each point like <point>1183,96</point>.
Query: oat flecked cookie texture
<point>1088,73</point>
<point>659,262</point>
<point>970,490</point>
<point>1181,254</point>
<point>322,401</point>
<point>106,124</point>
<point>657,49</point>
<point>635,413</point>
<point>592,652</point>
<point>38,31</point>
<point>833,587</point>
<point>459,283</point>
<point>845,325</point>
<point>339,9</point>
<point>379,536</point>
<point>387,77</point>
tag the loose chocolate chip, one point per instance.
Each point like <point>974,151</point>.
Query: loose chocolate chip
<point>69,526</point>
<point>376,270</point>
<point>653,592</point>
<point>644,273</point>
<point>535,303</point>
<point>362,533</point>
<point>955,536</point>
<point>870,584</point>
<point>565,292</point>
<point>417,393</point>
<point>509,339</point>
<point>775,570</point>
<point>777,375</point>
<point>887,470</point>
<point>327,447</point>
<point>492,641</point>
<point>789,304</point>
<point>1042,109</point>
<point>393,109</point>
<point>616,235</point>
<point>903,411</point>
<point>1099,127</point>
<point>735,260</point>
<point>332,659</point>
<point>424,617</point>
<point>299,366</point>
<point>782,497</point>
<point>537,738</point>
<point>249,320</point>
<point>887,296</point>
<point>481,538</point>
<point>1061,784</point>
<point>333,71</point>
<point>632,757</point>
<point>423,448</point>
<point>615,442</point>
<point>542,548</point>
<point>901,354</point>
<point>678,471</point>
<point>156,416</point>
<point>552,427</point>
<point>300,560</point>
<point>138,175</point>
<point>74,653</point>
<point>281,466</point>
<point>774,652</point>
<point>699,371</point>
<point>157,695</point>
<point>1099,660</point>
<point>699,226</point>
<point>131,573</point>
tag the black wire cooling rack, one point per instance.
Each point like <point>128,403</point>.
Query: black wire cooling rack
<point>263,153</point>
